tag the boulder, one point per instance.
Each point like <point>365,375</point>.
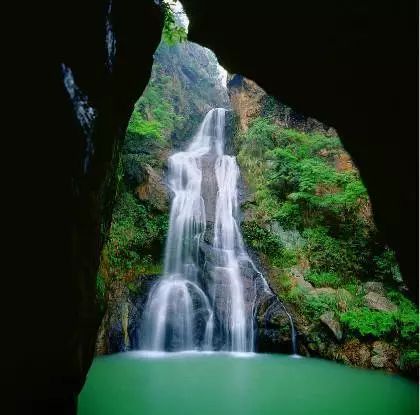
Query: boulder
<point>378,302</point>
<point>328,318</point>
<point>384,355</point>
<point>302,283</point>
<point>273,326</point>
<point>374,286</point>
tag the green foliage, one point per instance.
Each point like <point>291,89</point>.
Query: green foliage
<point>260,137</point>
<point>136,237</point>
<point>329,254</point>
<point>401,326</point>
<point>387,266</point>
<point>296,182</point>
<point>407,316</point>
<point>323,279</point>
<point>172,33</point>
<point>150,129</point>
<point>368,322</point>
<point>300,181</point>
<point>263,240</point>
<point>288,214</point>
<point>316,304</point>
<point>100,290</point>
<point>260,238</point>
<point>409,359</point>
<point>311,304</point>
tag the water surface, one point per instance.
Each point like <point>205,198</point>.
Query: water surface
<point>186,383</point>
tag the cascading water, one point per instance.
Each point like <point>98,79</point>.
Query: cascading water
<point>202,304</point>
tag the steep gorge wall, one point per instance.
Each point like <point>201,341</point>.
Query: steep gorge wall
<point>344,290</point>
<point>82,91</point>
<point>184,85</point>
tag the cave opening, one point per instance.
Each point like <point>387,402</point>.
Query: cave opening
<point>343,66</point>
<point>305,213</point>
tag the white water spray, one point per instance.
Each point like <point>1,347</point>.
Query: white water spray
<point>202,301</point>
<point>180,313</point>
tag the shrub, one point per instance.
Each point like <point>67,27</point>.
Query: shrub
<point>387,266</point>
<point>260,238</point>
<point>172,33</point>
<point>316,304</point>
<point>368,322</point>
<point>409,359</point>
<point>407,317</point>
<point>328,254</point>
<point>289,215</point>
<point>323,279</point>
<point>136,236</point>
<point>267,242</point>
<point>298,184</point>
<point>150,129</point>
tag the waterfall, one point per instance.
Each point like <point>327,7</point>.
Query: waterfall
<point>202,301</point>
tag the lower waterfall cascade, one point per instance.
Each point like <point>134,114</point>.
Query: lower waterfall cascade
<point>201,304</point>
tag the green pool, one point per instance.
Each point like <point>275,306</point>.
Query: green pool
<point>222,384</point>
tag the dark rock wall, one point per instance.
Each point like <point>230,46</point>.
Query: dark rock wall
<point>76,89</point>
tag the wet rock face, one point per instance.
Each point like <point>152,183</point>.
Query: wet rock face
<point>272,330</point>
<point>271,324</point>
<point>209,190</point>
<point>120,327</point>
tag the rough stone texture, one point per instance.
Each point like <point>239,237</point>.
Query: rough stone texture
<point>328,318</point>
<point>120,327</point>
<point>246,97</point>
<point>374,286</point>
<point>356,353</point>
<point>153,189</point>
<point>195,78</point>
<point>378,302</point>
<point>384,356</point>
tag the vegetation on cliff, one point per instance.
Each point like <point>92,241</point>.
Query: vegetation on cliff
<point>309,218</point>
<point>184,85</point>
<point>307,214</point>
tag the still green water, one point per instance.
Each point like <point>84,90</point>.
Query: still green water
<point>223,384</point>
